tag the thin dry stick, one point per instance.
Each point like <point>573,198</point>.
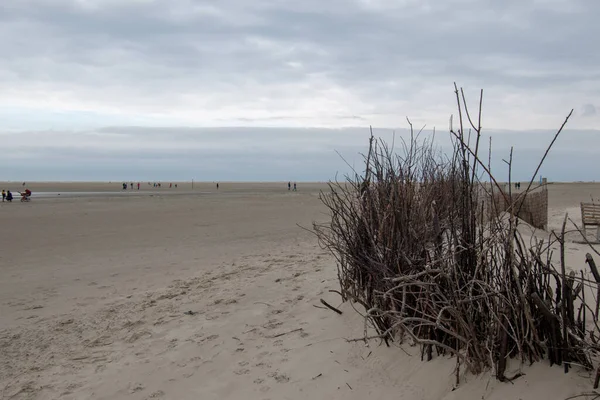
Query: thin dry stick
<point>284,333</point>
<point>330,306</point>
<point>564,293</point>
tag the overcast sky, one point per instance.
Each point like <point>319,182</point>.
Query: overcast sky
<point>72,69</point>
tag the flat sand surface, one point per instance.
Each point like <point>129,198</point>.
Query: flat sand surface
<point>208,295</point>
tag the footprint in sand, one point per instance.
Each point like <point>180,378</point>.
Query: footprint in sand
<point>135,387</point>
<point>279,378</point>
<point>138,335</point>
<point>156,395</point>
<point>272,324</point>
<point>263,365</point>
<point>241,371</point>
<point>71,388</point>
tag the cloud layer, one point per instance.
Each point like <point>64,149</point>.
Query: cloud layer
<point>73,67</point>
<point>80,63</point>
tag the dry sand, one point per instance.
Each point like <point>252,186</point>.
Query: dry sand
<point>208,295</point>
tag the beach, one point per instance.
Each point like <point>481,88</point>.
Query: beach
<point>199,293</point>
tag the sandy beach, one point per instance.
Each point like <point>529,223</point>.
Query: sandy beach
<point>210,294</point>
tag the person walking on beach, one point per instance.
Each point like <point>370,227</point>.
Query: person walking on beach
<point>289,185</point>
<point>138,186</point>
<point>9,196</point>
<point>217,185</point>
<point>3,195</point>
<point>294,186</point>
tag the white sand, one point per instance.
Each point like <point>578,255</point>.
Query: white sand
<point>94,291</point>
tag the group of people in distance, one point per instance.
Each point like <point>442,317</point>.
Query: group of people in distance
<point>156,185</point>
<point>290,186</point>
<point>8,196</point>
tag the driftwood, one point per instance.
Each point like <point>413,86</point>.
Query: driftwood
<point>416,248</point>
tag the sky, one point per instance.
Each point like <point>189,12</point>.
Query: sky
<point>274,90</point>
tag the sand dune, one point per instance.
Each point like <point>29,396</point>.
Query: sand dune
<point>210,297</point>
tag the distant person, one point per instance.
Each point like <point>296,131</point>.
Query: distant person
<point>3,196</point>
<point>171,185</point>
<point>289,185</point>
<point>138,186</point>
<point>294,186</point>
<point>217,185</point>
<point>124,186</point>
<point>175,186</point>
<point>9,196</point>
<point>131,186</point>
<point>26,195</point>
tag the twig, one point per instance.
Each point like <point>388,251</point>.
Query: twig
<point>366,338</point>
<point>330,306</point>
<point>284,333</point>
<point>596,394</point>
<point>564,294</point>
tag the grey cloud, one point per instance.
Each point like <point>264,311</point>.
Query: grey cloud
<point>589,110</point>
<point>345,41</point>
<point>279,63</point>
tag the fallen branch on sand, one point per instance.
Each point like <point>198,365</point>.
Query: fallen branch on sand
<point>330,306</point>
<point>590,394</point>
<point>284,333</point>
